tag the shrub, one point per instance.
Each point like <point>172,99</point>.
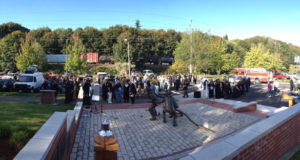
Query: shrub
<point>96,69</point>
<point>19,139</point>
<point>4,130</point>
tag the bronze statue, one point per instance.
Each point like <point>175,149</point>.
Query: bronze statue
<point>171,106</point>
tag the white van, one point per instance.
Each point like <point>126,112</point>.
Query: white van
<point>29,82</point>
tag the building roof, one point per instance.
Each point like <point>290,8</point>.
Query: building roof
<point>57,58</point>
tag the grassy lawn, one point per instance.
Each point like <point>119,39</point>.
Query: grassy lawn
<point>20,120</point>
<point>31,115</point>
<point>59,96</point>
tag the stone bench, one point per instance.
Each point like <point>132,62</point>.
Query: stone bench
<point>251,106</point>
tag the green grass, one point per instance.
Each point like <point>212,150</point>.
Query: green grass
<point>59,96</point>
<point>19,94</point>
<point>16,115</point>
<point>296,156</point>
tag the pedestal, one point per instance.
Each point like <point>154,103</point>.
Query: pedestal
<point>106,148</point>
<point>47,96</point>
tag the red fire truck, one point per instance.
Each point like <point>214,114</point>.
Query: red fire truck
<point>256,74</point>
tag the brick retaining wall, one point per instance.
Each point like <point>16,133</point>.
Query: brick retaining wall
<point>267,139</point>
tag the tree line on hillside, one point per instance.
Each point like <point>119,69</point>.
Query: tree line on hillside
<point>207,53</point>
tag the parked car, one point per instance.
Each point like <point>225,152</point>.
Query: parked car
<point>89,74</point>
<point>9,76</point>
<point>286,75</point>
<point>6,85</point>
<point>148,72</point>
<point>278,75</point>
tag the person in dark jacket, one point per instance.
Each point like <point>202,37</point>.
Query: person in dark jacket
<point>132,92</point>
<point>67,86</point>
<point>218,89</point>
<point>45,85</point>
<point>54,86</point>
<point>291,84</point>
<point>86,92</point>
<point>211,88</point>
<point>126,92</point>
<point>185,88</point>
<point>226,88</point>
<point>76,88</point>
<point>104,90</point>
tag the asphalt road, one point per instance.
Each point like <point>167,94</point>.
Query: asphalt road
<point>259,94</point>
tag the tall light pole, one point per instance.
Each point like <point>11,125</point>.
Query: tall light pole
<point>126,40</point>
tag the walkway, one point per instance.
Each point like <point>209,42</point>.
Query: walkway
<point>140,138</point>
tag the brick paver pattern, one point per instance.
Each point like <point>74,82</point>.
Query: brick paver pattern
<point>140,138</point>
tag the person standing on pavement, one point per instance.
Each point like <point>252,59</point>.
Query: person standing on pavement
<point>276,86</point>
<point>291,84</point>
<point>54,86</point>
<point>211,88</point>
<point>218,89</point>
<point>118,92</point>
<point>86,92</point>
<point>104,90</point>
<point>109,90</point>
<point>92,89</point>
<point>76,88</point>
<point>269,89</point>
<point>185,88</point>
<point>132,92</point>
<point>126,92</point>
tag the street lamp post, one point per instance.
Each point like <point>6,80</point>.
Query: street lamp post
<point>126,40</point>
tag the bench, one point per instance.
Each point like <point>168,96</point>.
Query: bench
<point>290,98</point>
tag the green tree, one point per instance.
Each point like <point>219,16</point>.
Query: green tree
<point>9,48</point>
<point>63,39</point>
<point>258,57</point>
<point>292,69</point>
<point>75,63</point>
<point>7,28</point>
<point>231,61</point>
<point>92,39</point>
<point>31,53</point>
<point>49,41</point>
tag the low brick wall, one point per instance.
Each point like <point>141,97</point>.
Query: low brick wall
<point>55,139</point>
<point>71,131</point>
<point>49,142</point>
<point>266,140</point>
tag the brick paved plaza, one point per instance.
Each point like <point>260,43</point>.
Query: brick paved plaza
<point>140,138</point>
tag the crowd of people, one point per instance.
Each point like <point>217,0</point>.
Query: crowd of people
<point>125,90</point>
<point>218,89</point>
<point>68,85</point>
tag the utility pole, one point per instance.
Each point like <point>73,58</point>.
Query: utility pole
<point>128,59</point>
<point>127,40</point>
<point>274,58</point>
<point>191,48</point>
